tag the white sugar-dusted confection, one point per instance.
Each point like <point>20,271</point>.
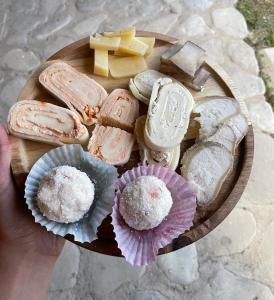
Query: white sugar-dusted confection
<point>224,136</point>
<point>206,166</point>
<point>239,125</point>
<point>145,202</point>
<point>213,111</point>
<point>65,194</point>
<point>231,132</point>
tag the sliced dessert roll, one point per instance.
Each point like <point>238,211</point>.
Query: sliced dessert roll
<point>79,92</point>
<point>206,166</point>
<point>169,111</point>
<point>231,132</point>
<point>120,109</point>
<point>45,122</point>
<point>141,85</point>
<point>169,159</point>
<point>110,144</point>
<point>224,136</point>
<point>212,112</point>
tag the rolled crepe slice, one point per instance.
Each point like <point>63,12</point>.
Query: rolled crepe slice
<point>120,109</point>
<point>112,145</point>
<point>141,85</point>
<point>80,93</point>
<point>206,166</point>
<point>45,122</point>
<point>168,159</point>
<point>169,111</point>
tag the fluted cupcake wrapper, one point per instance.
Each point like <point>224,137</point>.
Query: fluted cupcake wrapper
<point>140,247</point>
<point>103,176</point>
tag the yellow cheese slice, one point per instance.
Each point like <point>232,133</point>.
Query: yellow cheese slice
<point>101,62</point>
<point>150,41</point>
<point>133,46</point>
<point>120,53</point>
<point>104,43</point>
<point>120,67</point>
<point>128,32</point>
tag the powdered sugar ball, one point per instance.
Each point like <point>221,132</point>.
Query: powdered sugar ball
<point>145,202</point>
<point>65,194</point>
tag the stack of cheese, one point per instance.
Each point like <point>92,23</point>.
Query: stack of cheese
<point>120,52</point>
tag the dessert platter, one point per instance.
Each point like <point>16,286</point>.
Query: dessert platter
<point>131,143</point>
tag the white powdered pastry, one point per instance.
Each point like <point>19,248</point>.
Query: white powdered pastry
<point>145,202</point>
<point>65,194</point>
<point>213,111</point>
<point>231,132</point>
<point>224,136</point>
<point>239,125</point>
<point>206,166</point>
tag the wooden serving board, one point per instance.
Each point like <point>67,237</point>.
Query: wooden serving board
<point>25,153</point>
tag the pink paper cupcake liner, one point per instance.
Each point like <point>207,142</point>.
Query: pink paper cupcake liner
<point>140,247</point>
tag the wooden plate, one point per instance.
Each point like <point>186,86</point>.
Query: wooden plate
<point>78,54</point>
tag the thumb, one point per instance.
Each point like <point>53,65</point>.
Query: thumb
<point>5,158</point>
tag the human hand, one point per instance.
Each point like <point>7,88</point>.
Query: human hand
<point>17,227</point>
<point>27,251</point>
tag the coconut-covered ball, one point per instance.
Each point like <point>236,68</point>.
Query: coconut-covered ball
<point>145,202</point>
<point>65,194</point>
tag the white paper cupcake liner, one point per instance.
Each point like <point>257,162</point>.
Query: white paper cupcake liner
<point>103,176</point>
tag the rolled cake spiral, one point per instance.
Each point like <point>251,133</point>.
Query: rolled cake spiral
<point>80,93</point>
<point>120,109</point>
<point>168,115</point>
<point>45,122</point>
<point>110,144</point>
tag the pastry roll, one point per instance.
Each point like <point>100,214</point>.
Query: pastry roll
<point>45,122</point>
<point>230,132</point>
<point>168,159</point>
<point>112,145</point>
<point>141,85</point>
<point>168,116</point>
<point>212,111</point>
<point>120,109</point>
<point>79,92</point>
<point>206,166</point>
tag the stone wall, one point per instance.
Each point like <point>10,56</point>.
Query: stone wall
<point>236,260</point>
